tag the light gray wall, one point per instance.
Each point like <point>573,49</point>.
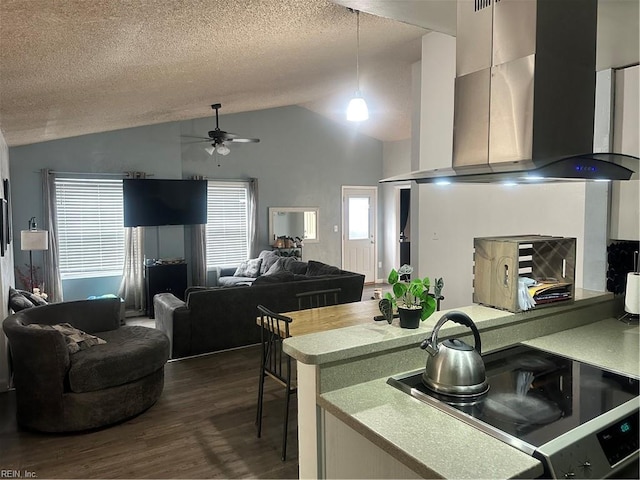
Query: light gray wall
<point>302,160</point>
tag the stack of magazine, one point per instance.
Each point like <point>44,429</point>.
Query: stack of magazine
<point>547,291</point>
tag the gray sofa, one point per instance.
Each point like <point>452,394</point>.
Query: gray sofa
<point>220,318</point>
<point>61,391</point>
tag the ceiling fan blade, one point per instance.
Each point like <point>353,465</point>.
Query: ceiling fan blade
<point>243,140</point>
<point>207,139</point>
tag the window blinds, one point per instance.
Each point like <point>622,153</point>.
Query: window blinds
<point>227,223</point>
<point>90,227</point>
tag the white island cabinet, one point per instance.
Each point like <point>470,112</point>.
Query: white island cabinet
<point>351,424</point>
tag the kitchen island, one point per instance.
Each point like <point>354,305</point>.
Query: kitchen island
<point>352,424</point>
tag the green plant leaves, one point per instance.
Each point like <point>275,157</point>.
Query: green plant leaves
<point>428,307</point>
<point>393,277</point>
<point>386,308</point>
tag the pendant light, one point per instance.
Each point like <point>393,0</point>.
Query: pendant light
<point>357,110</point>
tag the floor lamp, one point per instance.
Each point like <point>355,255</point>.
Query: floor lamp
<point>33,239</point>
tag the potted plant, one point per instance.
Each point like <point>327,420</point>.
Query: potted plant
<point>411,297</point>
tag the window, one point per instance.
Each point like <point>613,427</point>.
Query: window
<point>227,223</point>
<point>90,227</point>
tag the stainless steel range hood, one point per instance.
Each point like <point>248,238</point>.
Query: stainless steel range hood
<point>525,95</point>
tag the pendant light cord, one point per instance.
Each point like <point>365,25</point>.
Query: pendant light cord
<point>358,50</point>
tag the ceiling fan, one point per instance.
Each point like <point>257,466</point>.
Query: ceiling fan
<point>220,139</point>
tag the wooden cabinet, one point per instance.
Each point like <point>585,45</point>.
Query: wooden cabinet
<point>164,278</point>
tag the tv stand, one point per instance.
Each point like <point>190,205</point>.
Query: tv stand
<point>160,278</point>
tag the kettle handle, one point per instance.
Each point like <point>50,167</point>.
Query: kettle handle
<point>457,317</point>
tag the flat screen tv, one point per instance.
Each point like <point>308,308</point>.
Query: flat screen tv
<point>155,202</point>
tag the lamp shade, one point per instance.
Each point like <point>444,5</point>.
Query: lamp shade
<point>34,240</point>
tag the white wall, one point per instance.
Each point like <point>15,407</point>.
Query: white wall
<point>6,277</point>
<point>396,161</point>
<point>459,213</point>
<point>625,201</point>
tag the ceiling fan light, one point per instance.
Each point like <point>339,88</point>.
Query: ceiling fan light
<point>357,110</point>
<point>210,149</point>
<point>222,149</point>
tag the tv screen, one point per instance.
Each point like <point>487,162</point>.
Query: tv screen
<point>152,202</point>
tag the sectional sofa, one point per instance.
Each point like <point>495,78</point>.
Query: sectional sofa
<point>219,318</point>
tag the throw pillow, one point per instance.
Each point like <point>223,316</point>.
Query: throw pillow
<point>76,339</point>
<point>250,268</point>
<point>33,298</point>
<point>268,257</point>
<point>315,269</point>
<point>295,266</point>
<point>277,267</point>
<point>17,301</point>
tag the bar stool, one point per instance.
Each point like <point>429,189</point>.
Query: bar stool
<point>275,364</point>
<point>318,298</point>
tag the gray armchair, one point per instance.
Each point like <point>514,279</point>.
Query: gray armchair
<point>59,391</point>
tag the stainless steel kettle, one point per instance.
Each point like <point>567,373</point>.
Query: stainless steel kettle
<point>453,367</point>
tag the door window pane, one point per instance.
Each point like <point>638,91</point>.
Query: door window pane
<point>358,218</point>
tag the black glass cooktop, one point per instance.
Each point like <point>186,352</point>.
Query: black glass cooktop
<point>534,395</point>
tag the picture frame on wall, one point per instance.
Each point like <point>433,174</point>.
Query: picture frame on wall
<point>4,212</point>
<point>7,196</point>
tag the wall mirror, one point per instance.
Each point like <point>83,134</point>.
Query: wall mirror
<point>293,222</point>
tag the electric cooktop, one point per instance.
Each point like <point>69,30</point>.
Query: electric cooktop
<point>578,419</point>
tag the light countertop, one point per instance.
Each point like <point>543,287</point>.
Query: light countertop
<point>422,437</point>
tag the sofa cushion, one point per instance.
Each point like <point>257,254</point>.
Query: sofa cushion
<point>268,257</point>
<point>17,301</point>
<point>295,266</point>
<point>315,269</point>
<point>75,339</point>
<point>235,281</point>
<point>131,353</point>
<point>37,300</point>
<point>250,268</point>
<point>278,277</point>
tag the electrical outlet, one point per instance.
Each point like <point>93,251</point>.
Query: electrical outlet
<point>379,264</point>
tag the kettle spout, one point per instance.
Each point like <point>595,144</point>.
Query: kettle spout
<point>429,346</point>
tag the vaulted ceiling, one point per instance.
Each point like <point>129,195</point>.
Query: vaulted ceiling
<point>74,67</point>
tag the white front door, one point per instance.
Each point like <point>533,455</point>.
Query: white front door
<point>359,207</point>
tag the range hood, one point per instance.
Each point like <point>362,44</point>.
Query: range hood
<point>525,96</point>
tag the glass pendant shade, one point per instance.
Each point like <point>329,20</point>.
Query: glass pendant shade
<point>357,110</point>
<point>222,149</point>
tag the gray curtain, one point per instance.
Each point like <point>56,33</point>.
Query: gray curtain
<point>51,271</point>
<point>198,251</point>
<point>253,217</point>
<point>132,284</point>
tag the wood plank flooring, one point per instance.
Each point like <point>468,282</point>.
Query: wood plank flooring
<point>201,427</point>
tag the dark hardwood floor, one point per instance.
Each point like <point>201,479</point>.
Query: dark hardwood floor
<point>201,427</point>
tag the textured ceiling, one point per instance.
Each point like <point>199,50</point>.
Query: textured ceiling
<point>72,67</point>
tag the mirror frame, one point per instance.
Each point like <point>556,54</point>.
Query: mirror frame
<point>274,210</point>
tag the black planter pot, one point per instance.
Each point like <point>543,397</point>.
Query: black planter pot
<point>409,318</point>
